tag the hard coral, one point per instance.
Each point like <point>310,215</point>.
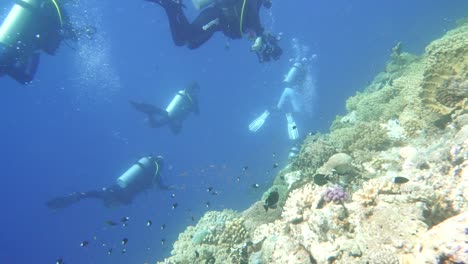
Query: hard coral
<point>298,202</point>
<point>446,68</point>
<point>363,136</point>
<point>315,151</point>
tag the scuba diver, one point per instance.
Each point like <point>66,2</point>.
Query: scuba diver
<point>142,175</point>
<point>30,27</point>
<point>299,84</point>
<point>184,102</point>
<point>232,17</point>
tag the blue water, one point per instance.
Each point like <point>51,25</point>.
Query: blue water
<point>72,129</point>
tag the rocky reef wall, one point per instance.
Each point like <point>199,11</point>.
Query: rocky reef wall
<point>388,184</point>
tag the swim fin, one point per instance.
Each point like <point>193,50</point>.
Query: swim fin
<point>64,201</point>
<point>292,128</point>
<point>176,126</point>
<point>259,121</point>
<point>148,109</point>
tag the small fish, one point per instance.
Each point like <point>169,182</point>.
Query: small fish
<point>255,185</point>
<point>193,219</point>
<point>124,250</point>
<point>125,224</point>
<point>59,261</point>
<point>109,251</point>
<point>320,179</point>
<point>271,201</point>
<point>163,226</point>
<point>125,219</point>
<point>274,154</point>
<point>294,127</point>
<point>197,254</point>
<point>214,193</point>
<point>238,179</point>
<point>400,180</point>
<point>282,178</point>
<point>275,165</point>
<point>209,189</point>
<point>173,195</point>
<point>84,243</point>
<point>149,223</point>
<point>207,204</point>
<point>245,168</point>
<point>163,241</point>
<point>124,241</point>
<point>111,223</point>
<point>174,206</point>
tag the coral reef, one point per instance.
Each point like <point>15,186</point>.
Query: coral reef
<point>336,194</point>
<point>340,163</point>
<point>211,240</point>
<point>314,152</point>
<point>298,202</point>
<point>284,250</point>
<point>444,243</point>
<point>446,71</point>
<point>256,215</point>
<point>401,157</point>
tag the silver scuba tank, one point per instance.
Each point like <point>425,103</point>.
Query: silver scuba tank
<point>177,103</point>
<point>200,4</point>
<point>136,171</point>
<point>292,73</point>
<point>18,21</point>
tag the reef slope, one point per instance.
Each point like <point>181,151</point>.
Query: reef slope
<point>388,184</point>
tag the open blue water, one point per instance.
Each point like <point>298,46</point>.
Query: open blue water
<point>72,129</point>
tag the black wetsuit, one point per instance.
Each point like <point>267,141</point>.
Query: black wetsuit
<point>225,17</point>
<point>115,195</point>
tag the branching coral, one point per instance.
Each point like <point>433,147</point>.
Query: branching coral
<point>298,202</point>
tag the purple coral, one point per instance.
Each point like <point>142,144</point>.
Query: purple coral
<point>335,194</point>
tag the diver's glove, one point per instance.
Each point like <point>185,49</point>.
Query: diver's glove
<point>292,128</point>
<point>266,47</point>
<point>259,121</point>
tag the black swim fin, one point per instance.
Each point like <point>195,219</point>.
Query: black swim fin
<point>148,109</point>
<point>176,126</point>
<point>63,201</point>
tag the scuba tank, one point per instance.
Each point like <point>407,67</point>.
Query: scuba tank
<point>18,23</point>
<point>178,103</point>
<point>200,4</point>
<point>137,171</point>
<point>23,28</point>
<point>292,73</point>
